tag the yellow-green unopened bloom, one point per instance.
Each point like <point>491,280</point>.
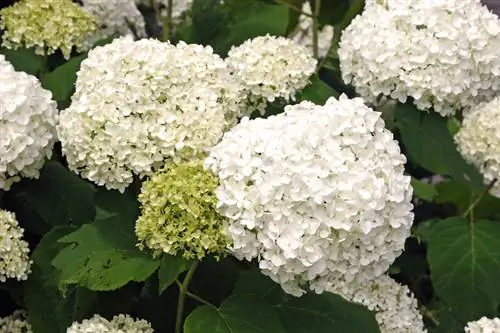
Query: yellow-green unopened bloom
<point>46,25</point>
<point>178,213</point>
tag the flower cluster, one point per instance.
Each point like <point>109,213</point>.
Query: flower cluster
<point>314,193</point>
<point>47,26</point>
<point>115,17</point>
<point>28,119</point>
<point>179,8</point>
<point>396,310</point>
<point>443,54</point>
<point>141,103</point>
<point>478,140</point>
<point>120,323</point>
<point>303,34</point>
<point>178,213</point>
<point>14,258</point>
<point>483,325</point>
<point>270,67</point>
<point>15,323</point>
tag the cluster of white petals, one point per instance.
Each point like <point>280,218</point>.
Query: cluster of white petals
<point>15,323</point>
<point>441,53</point>
<point>478,141</point>
<point>483,325</point>
<point>119,324</point>
<point>139,104</point>
<point>303,33</point>
<point>14,251</point>
<point>179,8</point>
<point>270,67</point>
<point>28,118</point>
<point>314,193</point>
<point>115,17</point>
<point>395,307</point>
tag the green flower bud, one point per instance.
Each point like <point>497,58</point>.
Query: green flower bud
<point>179,215</point>
<point>47,26</point>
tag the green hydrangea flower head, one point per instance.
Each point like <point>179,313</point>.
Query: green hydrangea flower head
<point>46,25</point>
<point>179,215</point>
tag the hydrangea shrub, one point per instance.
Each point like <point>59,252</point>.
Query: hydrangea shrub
<point>272,166</point>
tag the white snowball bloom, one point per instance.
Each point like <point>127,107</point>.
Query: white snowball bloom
<point>119,324</point>
<point>28,118</point>
<point>270,67</point>
<point>179,7</point>
<point>395,307</point>
<point>15,323</point>
<point>114,17</point>
<point>478,140</point>
<point>140,104</point>
<point>442,53</point>
<point>303,33</point>
<point>483,325</point>
<point>14,251</point>
<point>314,193</point>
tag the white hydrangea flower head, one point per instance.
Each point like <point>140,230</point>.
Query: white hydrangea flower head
<point>441,53</point>
<point>114,18</point>
<point>15,323</point>
<point>14,251</point>
<point>28,118</point>
<point>483,325</point>
<point>119,324</point>
<point>314,193</point>
<point>395,307</point>
<point>270,67</point>
<point>478,141</point>
<point>179,8</point>
<point>139,104</point>
<point>303,33</point>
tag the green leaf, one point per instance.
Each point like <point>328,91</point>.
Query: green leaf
<point>447,322</point>
<point>323,313</point>
<point>254,283</point>
<point>428,142</point>
<point>250,20</point>
<point>423,190</point>
<point>61,81</point>
<point>104,41</point>
<point>59,196</point>
<point>317,91</point>
<point>103,256</point>
<point>461,196</point>
<point>424,229</point>
<point>24,60</point>
<point>170,268</point>
<point>48,311</point>
<point>113,203</point>
<point>241,314</point>
<point>464,261</point>
<point>326,313</point>
<point>453,125</point>
<point>208,20</point>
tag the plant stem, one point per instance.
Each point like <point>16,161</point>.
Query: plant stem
<point>182,297</point>
<point>194,296</point>
<point>199,299</point>
<point>167,23</point>
<point>292,7</point>
<point>478,199</point>
<point>426,312</point>
<point>315,27</point>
